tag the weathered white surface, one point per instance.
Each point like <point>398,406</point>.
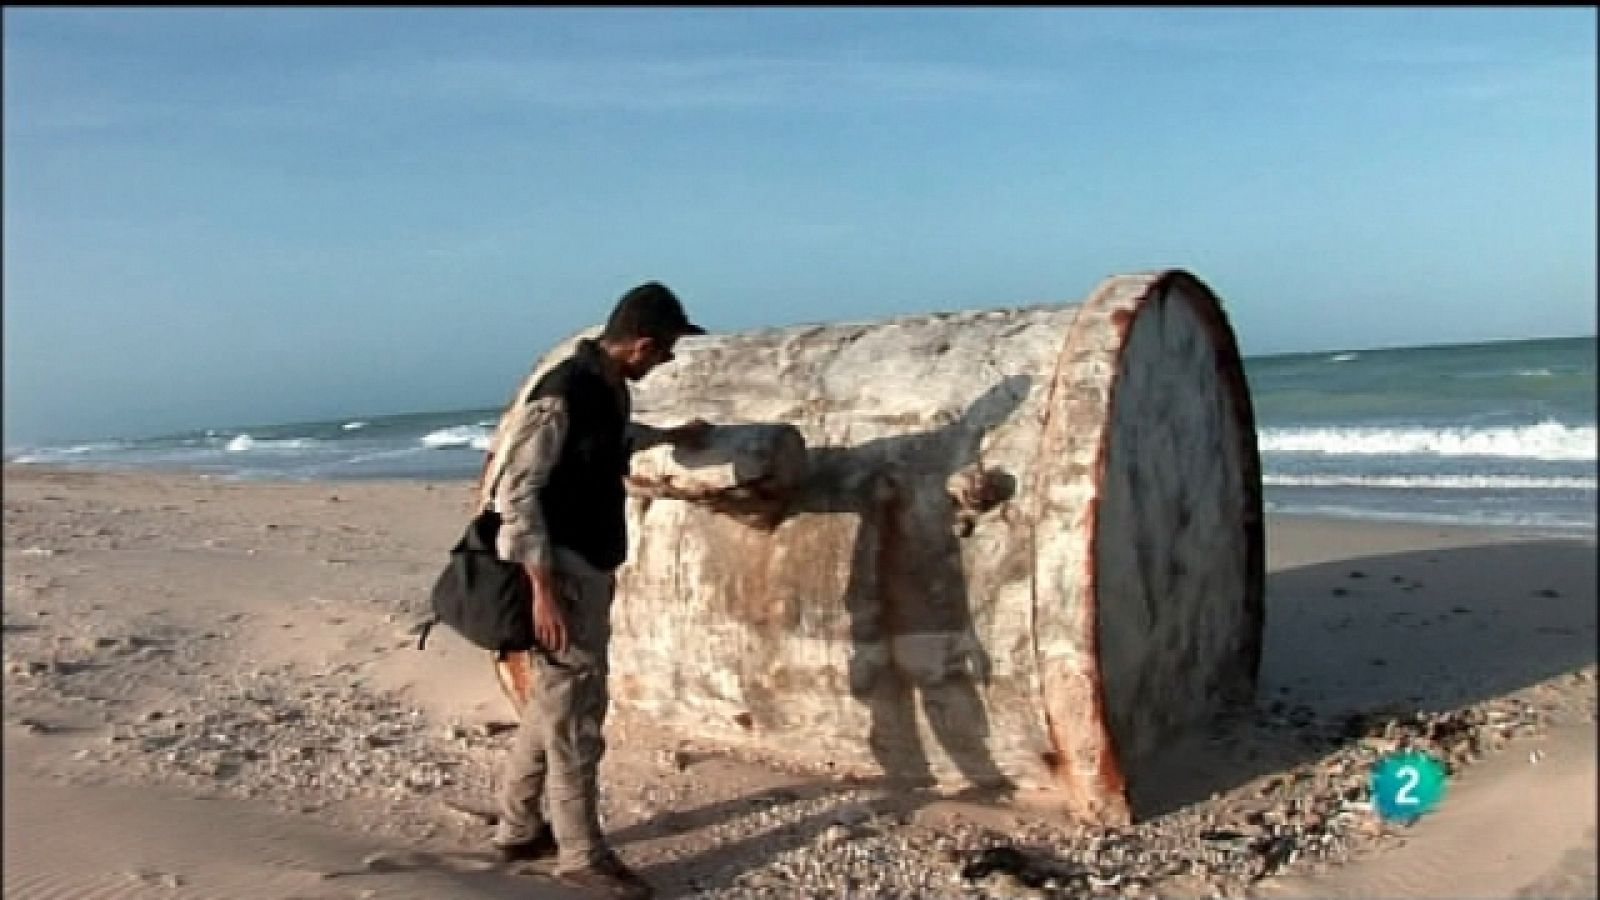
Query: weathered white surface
<point>961,582</point>
<point>748,471</point>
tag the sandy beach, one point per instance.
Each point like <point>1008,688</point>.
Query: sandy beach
<point>213,690</point>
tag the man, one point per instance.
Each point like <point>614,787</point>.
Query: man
<point>559,490</point>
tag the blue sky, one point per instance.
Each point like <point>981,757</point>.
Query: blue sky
<point>241,216</point>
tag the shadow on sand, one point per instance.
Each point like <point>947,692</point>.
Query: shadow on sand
<point>1420,631</point>
<point>1424,631</point>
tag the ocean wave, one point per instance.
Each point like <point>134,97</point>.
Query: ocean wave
<point>474,436</point>
<point>35,455</point>
<point>353,426</point>
<point>92,448</point>
<point>1547,440</point>
<point>381,455</point>
<point>244,443</point>
<point>1344,357</point>
<point>1555,522</point>
<point>1441,482</point>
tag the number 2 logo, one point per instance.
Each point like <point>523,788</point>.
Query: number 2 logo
<point>1407,785</point>
<point>1411,777</point>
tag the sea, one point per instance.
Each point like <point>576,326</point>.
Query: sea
<point>1497,434</point>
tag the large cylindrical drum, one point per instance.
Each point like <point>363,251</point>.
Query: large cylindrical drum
<point>1017,548</point>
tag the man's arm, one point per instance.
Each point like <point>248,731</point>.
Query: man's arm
<point>641,437</point>
<point>533,449</point>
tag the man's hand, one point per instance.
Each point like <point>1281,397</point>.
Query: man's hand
<point>549,623</point>
<point>692,435</point>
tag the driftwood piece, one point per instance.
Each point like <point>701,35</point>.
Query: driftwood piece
<point>1016,548</point>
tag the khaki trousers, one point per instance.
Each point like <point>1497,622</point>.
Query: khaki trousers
<point>556,756</point>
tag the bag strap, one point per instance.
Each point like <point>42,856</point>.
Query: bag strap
<point>497,464</point>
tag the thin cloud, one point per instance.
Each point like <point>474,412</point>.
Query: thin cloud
<point>314,100</point>
<point>706,83</point>
<point>1114,32</point>
<point>22,122</point>
<point>1420,54</point>
<point>1477,75</point>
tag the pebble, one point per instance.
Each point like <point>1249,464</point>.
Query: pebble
<point>674,759</point>
<point>168,880</point>
<point>852,815</point>
<point>379,862</point>
<point>835,835</point>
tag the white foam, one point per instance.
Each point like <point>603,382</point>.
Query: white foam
<point>1437,482</point>
<point>244,443</point>
<point>1344,357</point>
<point>379,455</point>
<point>1550,522</point>
<point>474,436</point>
<point>1547,440</point>
<point>46,455</point>
<point>353,426</point>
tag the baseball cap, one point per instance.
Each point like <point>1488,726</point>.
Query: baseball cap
<point>651,310</point>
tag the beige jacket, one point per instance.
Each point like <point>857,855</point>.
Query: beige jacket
<point>526,444</point>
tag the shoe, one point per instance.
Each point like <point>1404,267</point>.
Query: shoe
<point>609,878</point>
<point>541,846</point>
